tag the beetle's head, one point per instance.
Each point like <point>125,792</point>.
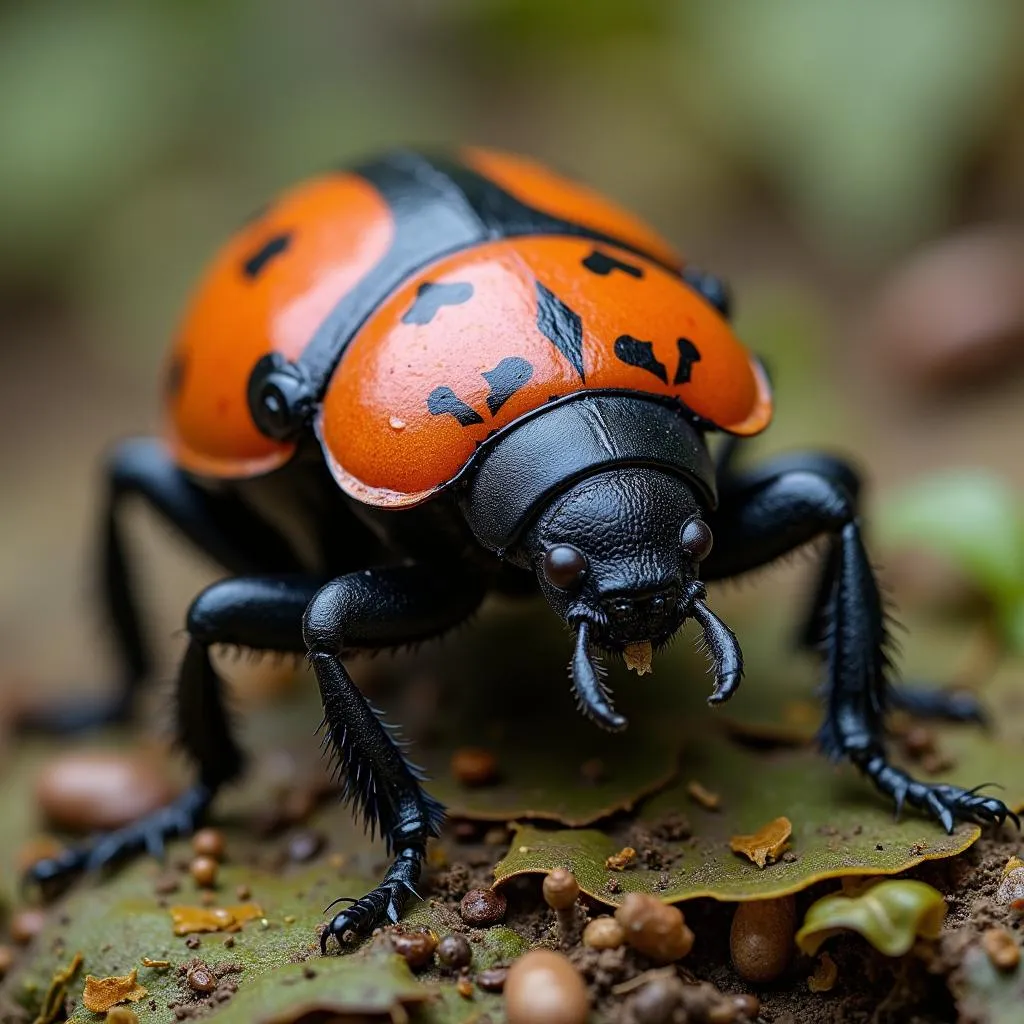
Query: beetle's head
<point>618,557</point>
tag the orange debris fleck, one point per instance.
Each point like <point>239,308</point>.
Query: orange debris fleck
<point>766,844</point>
<point>213,919</point>
<point>621,860</point>
<point>700,794</point>
<point>825,974</point>
<point>102,993</point>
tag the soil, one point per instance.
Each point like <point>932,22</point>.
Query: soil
<point>922,988</point>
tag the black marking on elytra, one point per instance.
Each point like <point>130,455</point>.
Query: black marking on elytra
<point>431,297</point>
<point>562,326</point>
<point>443,400</point>
<point>438,206</point>
<point>638,353</point>
<point>688,355</point>
<point>175,379</point>
<point>259,259</point>
<point>601,263</point>
<point>506,379</point>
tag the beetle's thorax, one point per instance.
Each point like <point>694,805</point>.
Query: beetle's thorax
<point>526,467</point>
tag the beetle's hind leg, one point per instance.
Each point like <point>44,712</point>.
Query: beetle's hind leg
<point>218,524</point>
<point>381,608</point>
<point>259,612</point>
<point>771,511</point>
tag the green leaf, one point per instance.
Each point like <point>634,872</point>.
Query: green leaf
<point>970,517</point>
<point>890,915</point>
<point>840,828</point>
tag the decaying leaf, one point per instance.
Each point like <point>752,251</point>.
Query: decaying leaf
<point>342,986</point>
<point>766,844</point>
<point>102,993</point>
<point>890,915</point>
<point>189,919</point>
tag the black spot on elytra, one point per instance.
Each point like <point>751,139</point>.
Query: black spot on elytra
<point>175,379</point>
<point>431,297</point>
<point>688,355</point>
<point>443,400</point>
<point>638,353</point>
<point>601,263</point>
<point>254,265</point>
<point>506,379</point>
<point>562,326</point>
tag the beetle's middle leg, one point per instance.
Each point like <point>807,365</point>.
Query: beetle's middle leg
<point>381,608</point>
<point>922,701</point>
<point>264,613</point>
<point>774,510</point>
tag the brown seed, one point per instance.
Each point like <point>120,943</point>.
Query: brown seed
<point>543,987</point>
<point>465,988</point>
<point>493,979</point>
<point>304,845</point>
<point>416,947</point>
<point>243,892</point>
<point>204,871</point>
<point>654,928</point>
<point>1002,949</point>
<point>474,766</point>
<point>6,959</point>
<point>454,952</point>
<point>201,979</point>
<point>761,938</point>
<point>26,925</point>
<point>656,1001</point>
<point>604,933</point>
<point>121,1015</point>
<point>561,889</point>
<point>483,907</point>
<point>96,790</point>
<point>209,842</point>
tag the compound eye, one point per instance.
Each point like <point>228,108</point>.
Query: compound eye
<point>565,567</point>
<point>695,539</point>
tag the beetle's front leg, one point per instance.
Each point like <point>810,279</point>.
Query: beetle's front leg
<point>366,610</point>
<point>774,510</point>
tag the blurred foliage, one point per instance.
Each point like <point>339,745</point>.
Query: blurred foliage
<point>137,136</point>
<point>975,521</point>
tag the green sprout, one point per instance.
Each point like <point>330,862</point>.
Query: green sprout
<point>975,521</point>
<point>891,915</point>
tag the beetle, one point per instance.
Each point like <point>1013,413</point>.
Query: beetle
<point>427,377</point>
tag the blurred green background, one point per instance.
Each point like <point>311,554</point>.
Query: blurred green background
<point>854,169</point>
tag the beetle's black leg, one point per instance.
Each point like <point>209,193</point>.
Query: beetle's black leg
<point>381,608</point>
<point>767,513</point>
<point>218,524</point>
<point>264,613</point>
<point>921,701</point>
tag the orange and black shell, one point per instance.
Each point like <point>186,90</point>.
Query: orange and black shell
<point>424,304</point>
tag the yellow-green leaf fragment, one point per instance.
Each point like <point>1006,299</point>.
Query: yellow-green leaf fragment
<point>890,915</point>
